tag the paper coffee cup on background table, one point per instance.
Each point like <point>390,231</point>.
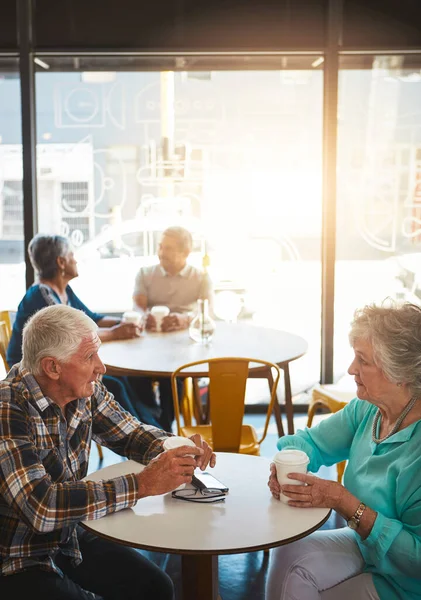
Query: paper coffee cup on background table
<point>159,312</point>
<point>132,316</point>
<point>290,461</point>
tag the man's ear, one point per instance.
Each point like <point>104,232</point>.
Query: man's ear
<point>51,367</point>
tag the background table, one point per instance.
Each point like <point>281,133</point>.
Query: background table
<point>248,520</point>
<point>159,354</point>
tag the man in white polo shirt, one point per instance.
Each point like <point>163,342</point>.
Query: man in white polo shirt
<point>175,284</point>
<point>172,282</point>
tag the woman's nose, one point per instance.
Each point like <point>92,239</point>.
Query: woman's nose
<point>351,368</point>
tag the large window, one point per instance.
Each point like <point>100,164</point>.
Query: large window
<point>12,267</point>
<point>233,155</point>
<point>379,187</point>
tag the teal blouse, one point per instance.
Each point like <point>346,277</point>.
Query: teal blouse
<point>386,477</point>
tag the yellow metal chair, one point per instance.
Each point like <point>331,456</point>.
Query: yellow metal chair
<point>334,399</point>
<point>5,334</point>
<point>226,396</point>
<point>4,342</point>
<point>5,317</point>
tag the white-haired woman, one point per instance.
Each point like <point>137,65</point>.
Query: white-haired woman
<point>55,265</point>
<point>379,554</point>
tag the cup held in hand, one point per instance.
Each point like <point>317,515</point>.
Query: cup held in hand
<point>289,461</point>
<point>131,316</point>
<point>159,312</point>
<point>176,441</point>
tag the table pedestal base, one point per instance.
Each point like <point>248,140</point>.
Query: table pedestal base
<point>200,577</point>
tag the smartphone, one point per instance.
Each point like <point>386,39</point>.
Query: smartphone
<point>203,479</point>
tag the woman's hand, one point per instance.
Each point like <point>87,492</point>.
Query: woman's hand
<point>318,493</point>
<point>273,483</point>
<point>125,331</point>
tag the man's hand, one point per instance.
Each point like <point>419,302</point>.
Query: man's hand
<point>125,331</point>
<point>167,471</point>
<point>208,457</point>
<point>150,322</point>
<point>318,493</point>
<point>174,322</point>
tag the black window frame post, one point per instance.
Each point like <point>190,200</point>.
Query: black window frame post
<point>28,115</point>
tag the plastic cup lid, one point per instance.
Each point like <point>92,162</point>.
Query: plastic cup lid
<point>176,441</point>
<point>160,310</point>
<point>291,457</point>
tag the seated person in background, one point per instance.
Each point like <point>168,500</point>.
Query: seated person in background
<point>51,405</point>
<point>55,265</point>
<point>177,285</point>
<point>172,282</point>
<point>379,554</point>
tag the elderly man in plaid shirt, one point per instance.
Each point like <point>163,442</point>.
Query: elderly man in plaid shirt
<point>51,406</point>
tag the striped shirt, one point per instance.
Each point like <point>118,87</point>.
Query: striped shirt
<point>44,456</point>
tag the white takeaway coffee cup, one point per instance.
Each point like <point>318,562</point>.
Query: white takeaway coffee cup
<point>159,312</point>
<point>290,461</point>
<point>176,441</point>
<point>131,316</point>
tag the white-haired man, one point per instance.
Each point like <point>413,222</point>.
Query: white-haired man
<point>50,407</point>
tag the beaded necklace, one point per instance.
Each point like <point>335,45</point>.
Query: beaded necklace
<point>397,424</point>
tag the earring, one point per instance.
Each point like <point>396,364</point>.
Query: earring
<point>399,384</point>
<point>64,272</point>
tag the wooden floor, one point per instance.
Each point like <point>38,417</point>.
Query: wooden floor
<point>241,576</point>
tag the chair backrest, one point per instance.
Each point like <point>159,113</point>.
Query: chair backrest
<point>4,342</point>
<point>5,317</point>
<point>227,391</point>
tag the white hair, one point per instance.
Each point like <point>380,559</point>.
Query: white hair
<point>55,331</point>
<point>394,331</point>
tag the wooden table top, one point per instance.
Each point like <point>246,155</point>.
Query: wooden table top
<point>159,354</point>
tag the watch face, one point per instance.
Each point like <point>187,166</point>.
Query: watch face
<point>352,523</point>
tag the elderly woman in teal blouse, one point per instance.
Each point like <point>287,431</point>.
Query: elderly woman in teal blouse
<point>379,554</point>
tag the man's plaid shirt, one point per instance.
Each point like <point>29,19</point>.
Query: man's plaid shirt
<point>44,456</point>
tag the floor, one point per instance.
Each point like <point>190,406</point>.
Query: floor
<point>241,576</point>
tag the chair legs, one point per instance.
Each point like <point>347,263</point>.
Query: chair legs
<point>100,452</point>
<point>187,402</point>
<point>313,406</point>
<point>340,468</point>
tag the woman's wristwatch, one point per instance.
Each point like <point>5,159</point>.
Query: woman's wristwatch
<point>354,521</point>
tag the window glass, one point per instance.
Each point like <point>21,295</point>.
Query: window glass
<point>232,155</point>
<point>379,187</point>
<point>12,268</point>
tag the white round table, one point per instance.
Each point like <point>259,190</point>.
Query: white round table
<point>159,354</point>
<point>248,520</point>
